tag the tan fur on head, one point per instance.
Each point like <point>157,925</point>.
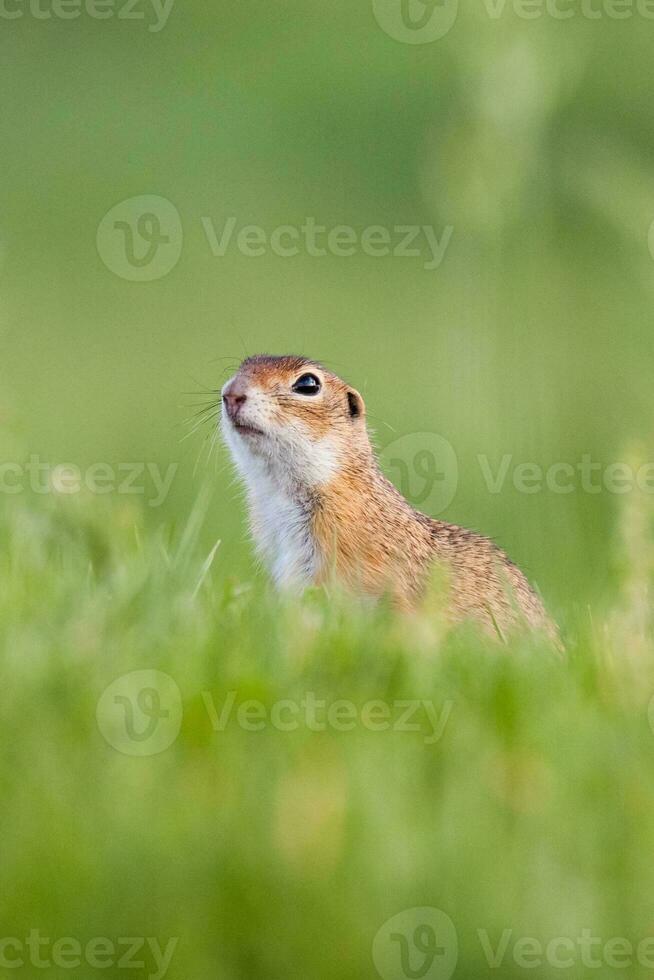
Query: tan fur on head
<point>321,509</point>
<point>328,413</point>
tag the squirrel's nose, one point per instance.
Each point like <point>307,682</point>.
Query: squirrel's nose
<point>234,398</point>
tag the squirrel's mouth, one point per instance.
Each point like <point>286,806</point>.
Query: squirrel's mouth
<point>246,430</point>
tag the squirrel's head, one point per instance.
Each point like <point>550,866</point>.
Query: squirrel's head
<point>293,418</point>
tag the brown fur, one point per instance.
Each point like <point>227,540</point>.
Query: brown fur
<point>371,540</point>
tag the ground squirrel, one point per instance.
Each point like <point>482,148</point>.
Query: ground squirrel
<point>321,509</point>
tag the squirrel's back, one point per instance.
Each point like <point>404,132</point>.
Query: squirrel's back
<point>375,542</point>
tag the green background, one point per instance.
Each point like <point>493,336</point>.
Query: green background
<point>279,854</point>
<point>533,138</point>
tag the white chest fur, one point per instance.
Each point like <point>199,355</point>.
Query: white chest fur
<point>282,474</point>
<point>281,528</point>
<point>280,516</point>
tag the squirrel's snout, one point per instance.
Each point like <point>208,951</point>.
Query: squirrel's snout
<point>234,397</point>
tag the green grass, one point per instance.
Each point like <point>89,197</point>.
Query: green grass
<point>273,853</point>
<point>280,854</point>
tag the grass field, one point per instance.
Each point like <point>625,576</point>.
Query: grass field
<point>277,782</point>
<point>253,791</point>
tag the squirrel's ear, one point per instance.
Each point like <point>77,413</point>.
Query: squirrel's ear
<point>355,404</point>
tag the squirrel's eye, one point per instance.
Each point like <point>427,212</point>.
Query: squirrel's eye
<point>308,384</point>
